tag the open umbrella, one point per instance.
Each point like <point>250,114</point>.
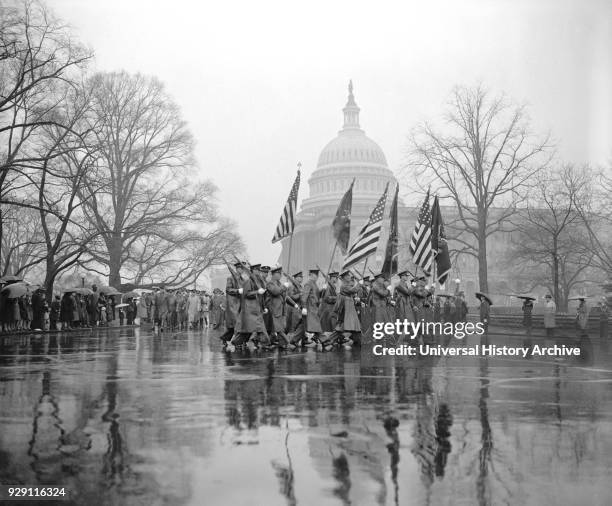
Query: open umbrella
<point>442,294</point>
<point>108,290</point>
<point>578,297</point>
<point>526,297</point>
<point>15,290</point>
<point>124,304</point>
<point>80,289</point>
<point>480,295</point>
<point>131,295</point>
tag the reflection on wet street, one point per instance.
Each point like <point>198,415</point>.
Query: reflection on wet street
<point>120,416</point>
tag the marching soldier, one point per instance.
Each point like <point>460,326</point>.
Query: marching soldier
<point>276,307</point>
<point>328,301</point>
<point>362,302</point>
<point>232,301</point>
<point>347,320</point>
<point>403,292</point>
<point>379,295</point>
<point>310,306</point>
<point>294,294</point>
<point>249,324</point>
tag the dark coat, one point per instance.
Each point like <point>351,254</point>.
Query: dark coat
<point>310,301</point>
<point>379,296</point>
<point>485,310</point>
<point>66,308</point>
<point>344,310</point>
<point>38,309</point>
<point>232,302</point>
<point>276,305</point>
<point>326,309</point>
<point>403,308</point>
<point>294,314</point>
<point>250,316</point>
<point>527,313</point>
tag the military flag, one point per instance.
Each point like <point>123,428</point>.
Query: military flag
<point>287,220</point>
<point>342,221</point>
<point>391,254</point>
<point>420,243</point>
<point>439,244</point>
<point>367,240</point>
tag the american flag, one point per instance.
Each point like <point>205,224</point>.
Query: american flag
<point>420,244</point>
<point>367,240</point>
<point>287,220</point>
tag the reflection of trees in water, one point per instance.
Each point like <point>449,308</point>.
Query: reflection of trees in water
<point>486,437</point>
<point>47,433</point>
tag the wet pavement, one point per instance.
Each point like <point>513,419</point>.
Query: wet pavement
<point>121,416</point>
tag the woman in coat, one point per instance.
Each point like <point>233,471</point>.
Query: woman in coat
<point>550,310</point>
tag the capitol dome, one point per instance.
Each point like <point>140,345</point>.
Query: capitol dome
<point>351,155</point>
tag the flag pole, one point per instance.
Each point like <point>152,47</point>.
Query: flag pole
<point>365,265</point>
<point>289,254</point>
<point>331,260</point>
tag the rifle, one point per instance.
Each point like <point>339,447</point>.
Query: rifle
<point>251,275</point>
<point>327,280</point>
<point>356,274</point>
<point>233,273</point>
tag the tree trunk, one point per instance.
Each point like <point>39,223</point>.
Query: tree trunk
<point>483,279</point>
<point>114,263</point>
<point>555,259</point>
<point>49,279</point>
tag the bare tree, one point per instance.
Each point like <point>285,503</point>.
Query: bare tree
<point>146,196</point>
<point>66,158</point>
<point>483,160</point>
<point>595,209</point>
<point>37,54</point>
<point>551,232</point>
<point>22,247</point>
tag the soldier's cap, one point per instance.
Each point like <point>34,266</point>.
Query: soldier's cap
<point>265,268</point>
<point>418,278</point>
<point>345,273</point>
<point>313,271</point>
<point>255,267</point>
<point>403,273</point>
<point>334,274</point>
<point>298,274</point>
<point>548,296</point>
<point>276,269</point>
<point>366,278</point>
<point>239,265</point>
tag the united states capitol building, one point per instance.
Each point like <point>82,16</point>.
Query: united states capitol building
<point>353,155</point>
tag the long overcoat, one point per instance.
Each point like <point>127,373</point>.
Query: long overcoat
<point>550,310</point>
<point>403,308</point>
<point>250,316</point>
<point>276,305</point>
<point>378,305</point>
<point>326,308</point>
<point>232,302</point>
<point>310,301</point>
<point>347,319</point>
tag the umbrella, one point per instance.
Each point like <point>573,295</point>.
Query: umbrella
<point>124,304</point>
<point>108,290</point>
<point>133,294</point>
<point>443,295</point>
<point>481,296</point>
<point>11,279</point>
<point>80,289</point>
<point>578,297</point>
<point>15,290</point>
<point>527,297</point>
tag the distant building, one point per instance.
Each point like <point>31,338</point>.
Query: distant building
<point>352,154</point>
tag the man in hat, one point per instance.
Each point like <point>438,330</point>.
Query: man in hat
<point>485,310</point>
<point>294,294</point>
<point>550,311</point>
<point>232,301</point>
<point>161,308</point>
<point>310,308</point>
<point>582,317</point>
<point>604,314</point>
<point>277,293</point>
<point>362,302</point>
<point>92,306</point>
<point>328,301</point>
<point>172,309</point>
<point>249,324</point>
<point>347,320</point>
<point>380,292</point>
<point>403,292</point>
<point>263,277</point>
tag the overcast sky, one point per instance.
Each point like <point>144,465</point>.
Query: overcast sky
<point>262,83</point>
